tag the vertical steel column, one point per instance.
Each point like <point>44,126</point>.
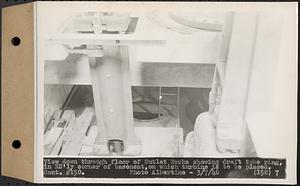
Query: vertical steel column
<point>110,77</point>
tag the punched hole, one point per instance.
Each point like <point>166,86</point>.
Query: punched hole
<point>15,41</point>
<point>16,144</point>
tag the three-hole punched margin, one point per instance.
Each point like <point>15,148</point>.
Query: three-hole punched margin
<point>16,144</point>
<point>16,41</point>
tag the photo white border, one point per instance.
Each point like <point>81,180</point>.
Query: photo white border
<point>212,6</point>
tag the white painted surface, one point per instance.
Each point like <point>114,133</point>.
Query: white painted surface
<point>272,119</point>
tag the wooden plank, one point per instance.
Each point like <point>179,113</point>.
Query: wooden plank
<point>54,97</point>
<point>58,131</point>
<point>76,139</point>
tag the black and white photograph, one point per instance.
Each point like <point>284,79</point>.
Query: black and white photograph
<point>167,80</point>
<point>135,96</point>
